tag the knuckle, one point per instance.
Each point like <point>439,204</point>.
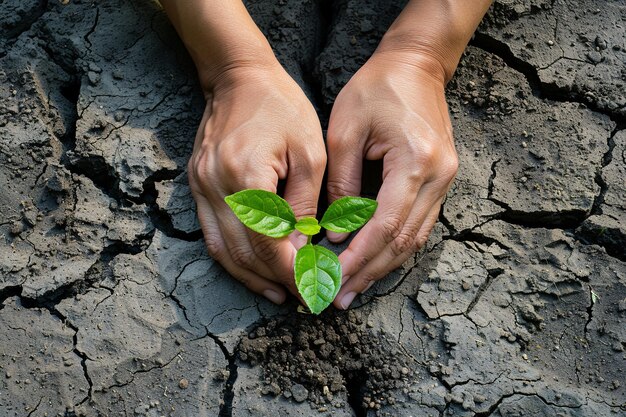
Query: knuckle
<point>420,242</point>
<point>266,250</point>
<point>429,153</point>
<point>315,159</point>
<point>304,208</point>
<point>243,257</point>
<point>362,261</point>
<point>391,227</point>
<point>337,188</point>
<point>422,151</point>
<point>368,279</point>
<point>214,247</point>
<point>319,162</point>
<point>333,140</point>
<point>358,259</point>
<point>415,178</point>
<point>198,169</point>
<point>401,244</point>
<point>450,167</point>
<point>231,166</point>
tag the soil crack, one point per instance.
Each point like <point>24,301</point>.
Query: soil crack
<point>228,394</point>
<point>540,89</point>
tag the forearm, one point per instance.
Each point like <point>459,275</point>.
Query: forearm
<point>435,32</point>
<point>219,35</point>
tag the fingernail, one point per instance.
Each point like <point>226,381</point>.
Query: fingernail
<point>347,300</point>
<point>273,296</point>
<point>368,286</point>
<point>336,237</point>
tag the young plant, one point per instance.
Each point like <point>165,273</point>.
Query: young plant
<point>317,270</point>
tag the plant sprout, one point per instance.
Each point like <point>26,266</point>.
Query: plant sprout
<point>317,270</point>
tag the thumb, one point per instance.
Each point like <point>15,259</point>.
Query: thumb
<point>304,180</point>
<point>345,163</point>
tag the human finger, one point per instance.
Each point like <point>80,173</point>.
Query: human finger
<point>396,198</point>
<point>345,165</point>
<point>394,254</point>
<point>217,249</point>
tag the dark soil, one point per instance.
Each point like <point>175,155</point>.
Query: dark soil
<point>327,354</point>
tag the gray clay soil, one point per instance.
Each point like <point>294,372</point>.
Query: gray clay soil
<point>110,306</point>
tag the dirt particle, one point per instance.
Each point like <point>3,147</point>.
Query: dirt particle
<point>183,383</point>
<point>94,78</point>
<point>17,227</point>
<point>221,375</point>
<point>594,57</point>
<point>299,392</point>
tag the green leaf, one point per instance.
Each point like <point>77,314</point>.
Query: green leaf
<point>263,211</point>
<point>348,214</point>
<point>318,276</point>
<point>308,226</point>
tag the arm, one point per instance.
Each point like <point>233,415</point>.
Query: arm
<point>257,127</point>
<point>394,109</point>
<point>434,32</point>
<point>220,36</point>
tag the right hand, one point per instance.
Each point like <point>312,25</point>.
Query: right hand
<point>258,127</point>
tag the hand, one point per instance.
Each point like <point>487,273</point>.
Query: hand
<point>258,127</point>
<point>392,109</point>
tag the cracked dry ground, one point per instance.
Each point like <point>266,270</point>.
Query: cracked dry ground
<point>109,304</point>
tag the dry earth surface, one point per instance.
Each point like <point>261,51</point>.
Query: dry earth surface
<point>109,304</point>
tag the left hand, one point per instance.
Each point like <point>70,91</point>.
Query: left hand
<point>392,109</point>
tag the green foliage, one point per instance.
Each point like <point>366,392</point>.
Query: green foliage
<point>308,226</point>
<point>317,270</point>
<point>263,211</point>
<point>318,276</point>
<point>348,214</point>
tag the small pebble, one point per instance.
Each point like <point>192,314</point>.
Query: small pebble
<point>183,383</point>
<point>94,78</point>
<point>299,393</point>
<point>594,57</point>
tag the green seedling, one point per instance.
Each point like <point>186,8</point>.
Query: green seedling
<point>316,269</point>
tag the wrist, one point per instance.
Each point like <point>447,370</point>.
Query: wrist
<point>237,71</point>
<point>435,31</point>
<point>413,63</point>
<point>235,64</point>
<point>432,58</point>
